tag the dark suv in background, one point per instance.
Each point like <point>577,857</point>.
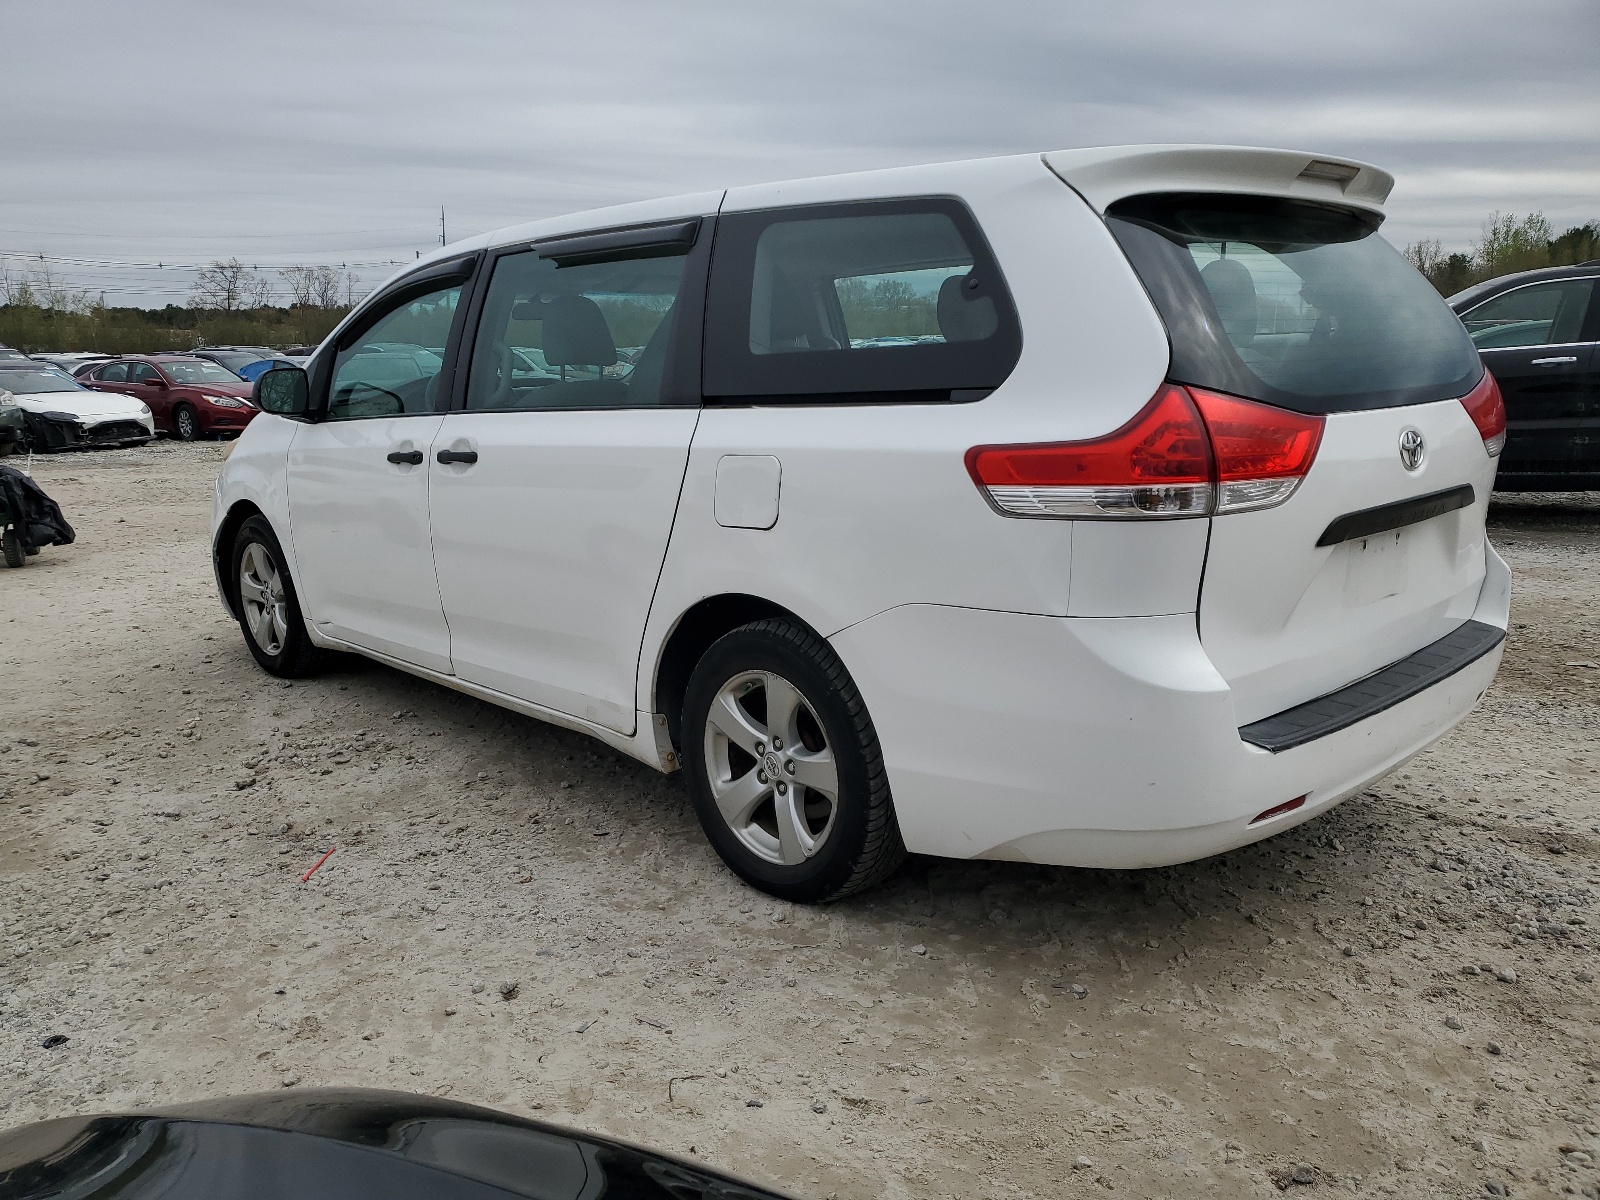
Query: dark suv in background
<point>1539,333</point>
<point>189,397</point>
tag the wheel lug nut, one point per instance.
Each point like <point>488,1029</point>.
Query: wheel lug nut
<point>789,766</point>
<point>761,777</point>
<point>777,743</point>
<point>783,789</point>
<point>760,748</point>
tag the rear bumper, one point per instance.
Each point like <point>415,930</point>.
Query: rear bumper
<point>1108,742</point>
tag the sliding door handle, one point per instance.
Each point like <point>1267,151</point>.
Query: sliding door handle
<point>457,456</point>
<point>411,458</point>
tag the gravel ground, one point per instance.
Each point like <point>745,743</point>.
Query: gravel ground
<point>1398,998</point>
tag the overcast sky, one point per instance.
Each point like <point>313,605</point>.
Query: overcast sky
<point>332,130</point>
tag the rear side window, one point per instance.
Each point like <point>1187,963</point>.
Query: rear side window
<point>1540,314</point>
<point>1292,303</point>
<point>115,373</point>
<point>871,302</point>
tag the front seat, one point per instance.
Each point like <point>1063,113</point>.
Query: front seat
<point>575,334</point>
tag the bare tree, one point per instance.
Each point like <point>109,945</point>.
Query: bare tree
<point>223,285</point>
<point>313,287</point>
<point>1426,256</point>
<point>325,287</point>
<point>258,291</point>
<point>53,294</point>
<point>302,283</point>
<point>14,286</point>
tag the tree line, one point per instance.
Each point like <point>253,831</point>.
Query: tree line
<point>1507,244</point>
<point>230,304</point>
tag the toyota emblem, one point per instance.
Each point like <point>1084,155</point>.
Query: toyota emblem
<point>1411,448</point>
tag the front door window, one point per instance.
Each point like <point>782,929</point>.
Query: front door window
<point>394,367</point>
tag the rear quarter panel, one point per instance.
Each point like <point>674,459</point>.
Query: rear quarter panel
<point>876,507</point>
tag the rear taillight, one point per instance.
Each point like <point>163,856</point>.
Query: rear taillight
<point>1188,453</point>
<point>1262,453</point>
<point>1488,412</point>
<point>1157,465</point>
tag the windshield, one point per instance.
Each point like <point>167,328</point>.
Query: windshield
<point>1296,304</point>
<point>45,380</point>
<point>199,371</point>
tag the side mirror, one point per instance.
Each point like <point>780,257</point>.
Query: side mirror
<point>286,391</point>
<point>156,382</point>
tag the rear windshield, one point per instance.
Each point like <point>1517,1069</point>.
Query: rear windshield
<point>1292,303</point>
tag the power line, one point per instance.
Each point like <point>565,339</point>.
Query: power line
<point>162,265</point>
<point>221,237</point>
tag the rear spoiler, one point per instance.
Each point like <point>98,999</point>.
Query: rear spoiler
<point>1103,175</point>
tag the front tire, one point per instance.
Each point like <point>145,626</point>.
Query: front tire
<point>784,767</point>
<point>11,544</point>
<point>186,423</point>
<point>269,610</point>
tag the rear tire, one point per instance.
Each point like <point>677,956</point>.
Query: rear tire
<point>12,544</point>
<point>784,767</point>
<point>186,423</point>
<point>269,610</point>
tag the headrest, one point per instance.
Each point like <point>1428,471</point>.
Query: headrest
<point>1234,293</point>
<point>963,315</point>
<point>576,334</point>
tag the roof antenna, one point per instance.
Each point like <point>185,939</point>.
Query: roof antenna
<point>441,224</point>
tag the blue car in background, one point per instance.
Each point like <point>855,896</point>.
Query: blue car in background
<point>247,362</point>
<point>253,371</point>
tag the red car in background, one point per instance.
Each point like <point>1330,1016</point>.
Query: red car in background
<point>189,397</point>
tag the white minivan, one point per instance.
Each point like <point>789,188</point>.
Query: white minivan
<point>1109,507</point>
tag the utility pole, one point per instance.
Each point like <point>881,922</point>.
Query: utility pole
<point>441,224</point>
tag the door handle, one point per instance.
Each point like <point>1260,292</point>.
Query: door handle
<point>1551,362</point>
<point>457,456</point>
<point>411,458</point>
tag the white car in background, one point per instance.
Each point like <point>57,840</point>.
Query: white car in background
<point>73,362</point>
<point>1108,507</point>
<point>62,414</point>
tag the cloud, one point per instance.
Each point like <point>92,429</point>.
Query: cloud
<point>174,129</point>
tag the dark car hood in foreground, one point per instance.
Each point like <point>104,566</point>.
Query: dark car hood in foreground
<point>339,1144</point>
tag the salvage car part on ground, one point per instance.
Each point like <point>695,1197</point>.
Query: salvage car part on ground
<point>29,519</point>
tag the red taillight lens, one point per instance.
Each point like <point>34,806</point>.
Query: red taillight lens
<point>1488,412</point>
<point>1157,465</point>
<point>1262,452</point>
<point>1187,453</point>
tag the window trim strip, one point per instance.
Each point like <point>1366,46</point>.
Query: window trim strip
<point>676,237</point>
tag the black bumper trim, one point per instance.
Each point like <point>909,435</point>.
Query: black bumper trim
<point>1385,517</point>
<point>1367,697</point>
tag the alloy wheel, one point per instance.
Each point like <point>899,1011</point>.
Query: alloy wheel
<point>261,594</point>
<point>772,773</point>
